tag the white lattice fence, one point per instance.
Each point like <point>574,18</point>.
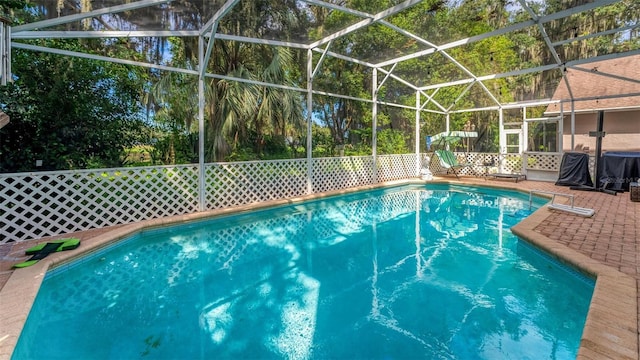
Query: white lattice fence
<point>478,163</point>
<point>341,173</point>
<point>50,203</point>
<point>42,204</point>
<point>542,161</point>
<point>474,160</point>
<point>241,183</point>
<point>396,167</point>
<point>512,164</point>
<point>592,166</point>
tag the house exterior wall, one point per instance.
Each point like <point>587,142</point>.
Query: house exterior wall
<point>622,130</point>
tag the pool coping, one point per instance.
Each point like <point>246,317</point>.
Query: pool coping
<point>611,329</point>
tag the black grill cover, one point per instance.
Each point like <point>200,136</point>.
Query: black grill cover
<point>574,170</point>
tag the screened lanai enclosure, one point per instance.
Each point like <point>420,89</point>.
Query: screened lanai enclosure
<point>346,91</point>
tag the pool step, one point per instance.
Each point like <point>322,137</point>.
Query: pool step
<point>573,209</point>
<point>580,211</point>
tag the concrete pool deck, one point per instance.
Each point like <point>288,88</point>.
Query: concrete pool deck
<point>605,245</point>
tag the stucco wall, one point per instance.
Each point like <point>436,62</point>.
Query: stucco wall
<point>622,130</point>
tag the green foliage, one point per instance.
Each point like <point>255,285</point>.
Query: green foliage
<point>175,148</point>
<point>8,9</point>
<point>70,113</point>
<point>74,113</point>
<point>240,118</point>
<point>391,141</point>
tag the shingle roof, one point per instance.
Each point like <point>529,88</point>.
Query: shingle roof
<point>614,77</point>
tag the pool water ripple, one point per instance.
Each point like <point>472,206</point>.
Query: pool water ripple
<point>407,272</point>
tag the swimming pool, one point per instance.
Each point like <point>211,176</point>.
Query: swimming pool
<point>430,272</point>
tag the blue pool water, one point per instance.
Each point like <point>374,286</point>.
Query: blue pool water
<point>409,272</point>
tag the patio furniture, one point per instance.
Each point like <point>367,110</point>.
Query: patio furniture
<point>449,161</point>
<point>619,169</point>
<point>574,170</point>
<point>516,177</point>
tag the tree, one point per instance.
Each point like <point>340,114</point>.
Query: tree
<point>238,114</point>
<point>69,113</point>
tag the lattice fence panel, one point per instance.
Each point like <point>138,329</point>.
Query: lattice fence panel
<point>396,167</point>
<point>512,164</point>
<point>474,160</point>
<point>50,203</point>
<point>486,163</point>
<point>241,183</point>
<point>539,161</point>
<point>341,173</point>
<point>478,163</point>
<point>592,166</point>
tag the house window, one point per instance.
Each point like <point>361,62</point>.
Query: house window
<point>542,136</point>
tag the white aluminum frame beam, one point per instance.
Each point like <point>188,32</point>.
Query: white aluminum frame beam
<point>153,66</point>
<point>606,74</point>
<point>309,144</point>
<point>457,43</point>
<point>411,86</point>
<point>602,97</point>
<point>409,107</point>
<point>201,138</point>
<point>345,58</point>
<point>430,99</point>
<point>343,9</point>
<point>508,29</point>
<point>18,45</point>
<point>530,104</point>
<point>573,63</point>
<point>374,124</point>
<point>464,92</point>
<point>212,24</point>
<point>486,108</point>
<point>253,82</point>
<point>24,32</point>
<point>261,41</point>
<point>445,54</point>
<point>77,17</point>
<point>463,68</point>
<point>55,34</point>
<point>364,23</point>
<point>5,54</point>
<point>347,97</point>
<point>542,30</point>
<point>388,74</point>
<point>417,134</point>
<point>319,64</point>
<point>433,111</point>
<point>597,34</point>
